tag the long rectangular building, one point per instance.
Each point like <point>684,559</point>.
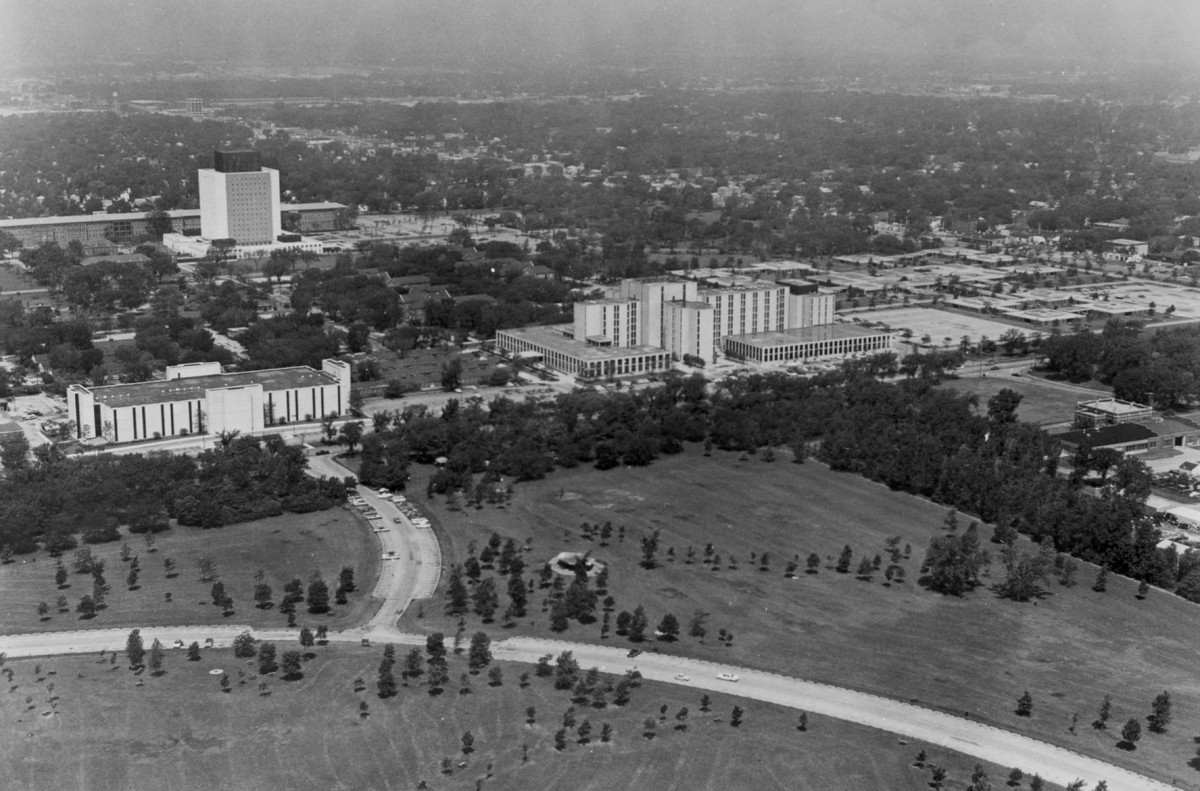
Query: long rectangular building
<point>198,398</point>
<point>85,228</point>
<point>556,347</point>
<point>805,343</point>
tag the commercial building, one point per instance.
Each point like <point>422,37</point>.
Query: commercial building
<point>91,229</point>
<point>556,347</point>
<point>198,398</point>
<point>1141,437</point>
<point>746,308</point>
<point>1110,412</point>
<point>239,199</point>
<point>807,343</point>
<point>647,323</point>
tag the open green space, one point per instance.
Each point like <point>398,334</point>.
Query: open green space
<point>180,731</point>
<point>1040,404</point>
<point>283,547</point>
<point>975,654</point>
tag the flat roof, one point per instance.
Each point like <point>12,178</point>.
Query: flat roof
<point>1041,314</point>
<point>823,332</point>
<point>1102,436</point>
<point>310,206</point>
<point>551,337</point>
<point>1113,406</point>
<point>163,390</point>
<point>176,214</point>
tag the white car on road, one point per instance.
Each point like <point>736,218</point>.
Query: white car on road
<point>728,677</point>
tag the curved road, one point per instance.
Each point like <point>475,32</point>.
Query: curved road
<point>415,575</point>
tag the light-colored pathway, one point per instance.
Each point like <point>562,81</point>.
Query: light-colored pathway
<point>912,722</point>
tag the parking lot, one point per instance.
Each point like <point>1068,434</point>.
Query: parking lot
<point>942,327</point>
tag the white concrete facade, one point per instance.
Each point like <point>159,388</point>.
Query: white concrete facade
<point>242,206</point>
<point>193,400</point>
<point>810,310</point>
<point>689,329</point>
<point>607,322</point>
<point>650,295</point>
<point>746,311</point>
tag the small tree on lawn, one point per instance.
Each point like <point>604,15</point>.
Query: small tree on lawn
<point>843,564</point>
<point>1131,732</point>
<point>306,638</point>
<point>1015,777</point>
<point>468,743</point>
<point>266,659</point>
<point>479,655</point>
<point>495,676</point>
<point>386,685</point>
<point>456,593</point>
<point>637,624</point>
<point>1101,721</point>
<point>438,677</point>
<point>979,779</point>
<point>193,653</point>
<point>243,646</point>
<point>1036,783</point>
<point>413,666</point>
<point>1160,715</point>
<point>1025,705</point>
<point>560,739</point>
<point>262,596</point>
<point>156,658</point>
<point>1101,583</point>
<point>60,574</point>
<point>735,718</point>
<point>43,610</point>
<point>1143,589</point>
<point>291,666</point>
<point>668,628</point>
<point>318,596</point>
<point>813,564</point>
<point>134,650</point>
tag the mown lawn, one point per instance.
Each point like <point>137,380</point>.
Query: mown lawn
<point>974,654</point>
<point>180,731</point>
<point>1039,404</point>
<point>283,547</point>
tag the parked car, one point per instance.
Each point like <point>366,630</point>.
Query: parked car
<point>682,677</point>
<point>728,677</point>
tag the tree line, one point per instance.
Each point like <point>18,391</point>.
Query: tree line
<point>53,503</point>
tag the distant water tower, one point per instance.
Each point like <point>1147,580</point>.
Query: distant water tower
<point>116,102</point>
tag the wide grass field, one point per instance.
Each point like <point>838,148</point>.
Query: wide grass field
<point>284,547</point>
<point>1040,404</point>
<point>974,654</point>
<point>180,731</point>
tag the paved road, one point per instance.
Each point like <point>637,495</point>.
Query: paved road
<point>417,566</point>
<point>913,722</point>
<point>415,575</point>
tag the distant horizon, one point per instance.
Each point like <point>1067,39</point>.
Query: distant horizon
<point>346,34</point>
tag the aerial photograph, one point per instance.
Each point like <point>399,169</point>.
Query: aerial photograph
<point>650,395</point>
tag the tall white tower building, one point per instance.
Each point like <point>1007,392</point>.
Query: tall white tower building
<point>239,199</point>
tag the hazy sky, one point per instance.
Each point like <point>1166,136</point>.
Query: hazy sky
<point>330,32</point>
